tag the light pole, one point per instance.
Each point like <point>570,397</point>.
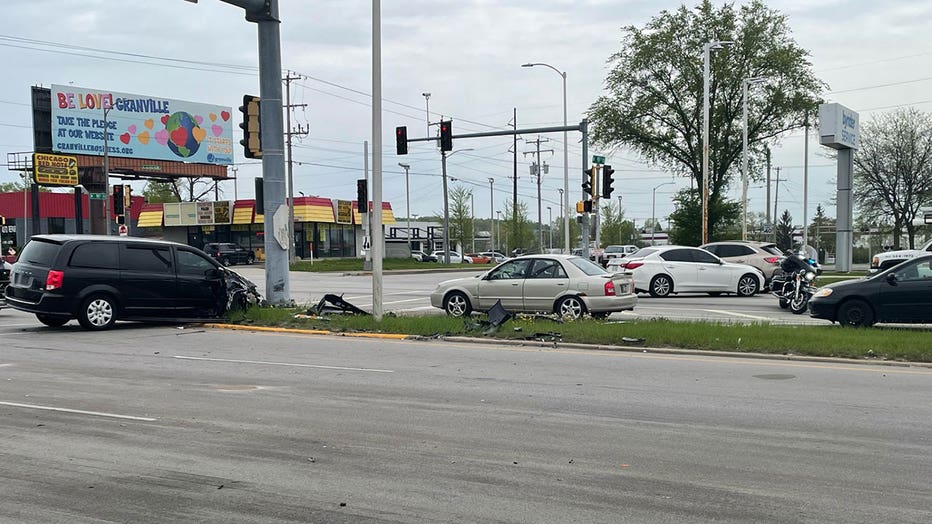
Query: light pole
<point>499,235</point>
<point>427,102</point>
<point>744,153</point>
<point>560,190</point>
<point>653,210</point>
<point>550,224</point>
<point>407,167</point>
<point>566,172</point>
<point>107,194</point>
<point>472,211</point>
<point>446,204</point>
<point>491,214</point>
<point>706,51</point>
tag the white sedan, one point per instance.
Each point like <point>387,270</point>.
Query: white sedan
<point>564,284</point>
<point>455,258</point>
<point>665,270</point>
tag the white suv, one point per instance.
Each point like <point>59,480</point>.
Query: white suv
<point>882,261</point>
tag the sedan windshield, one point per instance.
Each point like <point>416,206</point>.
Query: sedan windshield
<point>588,267</point>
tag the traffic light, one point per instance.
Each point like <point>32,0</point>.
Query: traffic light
<point>592,181</point>
<point>587,206</point>
<point>362,196</point>
<point>127,196</point>
<point>446,135</point>
<point>607,180</point>
<point>260,196</point>
<point>580,207</point>
<point>118,200</point>
<point>121,220</point>
<point>587,183</point>
<point>401,140</point>
<point>252,130</point>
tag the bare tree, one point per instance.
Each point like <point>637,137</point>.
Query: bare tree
<point>893,170</point>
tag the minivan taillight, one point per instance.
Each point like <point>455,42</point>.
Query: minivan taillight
<point>54,280</point>
<point>610,288</point>
<point>633,264</point>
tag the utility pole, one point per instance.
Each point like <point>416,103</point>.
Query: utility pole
<point>491,214</point>
<point>538,169</point>
<point>288,134</point>
<point>776,200</point>
<point>514,180</point>
<point>767,208</point>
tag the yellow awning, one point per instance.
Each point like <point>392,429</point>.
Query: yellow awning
<point>260,219</point>
<point>150,219</point>
<point>242,215</point>
<point>388,217</point>
<point>313,213</point>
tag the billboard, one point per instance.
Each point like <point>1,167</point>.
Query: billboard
<point>140,126</point>
<point>55,170</point>
<point>196,213</point>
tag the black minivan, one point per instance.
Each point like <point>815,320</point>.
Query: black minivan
<point>101,279</point>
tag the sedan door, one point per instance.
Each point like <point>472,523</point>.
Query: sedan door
<point>909,297</point>
<point>712,274</point>
<point>505,283</point>
<point>679,264</point>
<point>546,281</point>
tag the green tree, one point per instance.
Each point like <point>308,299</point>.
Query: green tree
<point>822,231</point>
<point>686,228</point>
<point>575,232</point>
<point>519,234</point>
<point>785,231</point>
<point>461,217</point>
<point>893,170</point>
<point>15,187</point>
<point>160,192</point>
<point>655,94</point>
<point>614,228</point>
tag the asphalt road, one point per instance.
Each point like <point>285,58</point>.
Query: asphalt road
<point>410,294</point>
<point>161,424</point>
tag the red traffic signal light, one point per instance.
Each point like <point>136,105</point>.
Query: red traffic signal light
<point>362,195</point>
<point>401,140</point>
<point>446,135</point>
<point>118,200</point>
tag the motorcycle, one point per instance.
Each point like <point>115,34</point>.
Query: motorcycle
<point>794,283</point>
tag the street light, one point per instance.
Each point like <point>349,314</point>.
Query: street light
<point>407,167</point>
<point>446,203</point>
<point>566,173</point>
<point>550,224</point>
<point>744,154</point>
<point>427,102</point>
<point>706,50</point>
<point>499,235</point>
<point>491,214</point>
<point>653,210</point>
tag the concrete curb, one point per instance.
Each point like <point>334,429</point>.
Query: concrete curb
<point>575,345</point>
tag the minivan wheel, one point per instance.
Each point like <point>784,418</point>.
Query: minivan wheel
<point>51,321</point>
<point>97,312</point>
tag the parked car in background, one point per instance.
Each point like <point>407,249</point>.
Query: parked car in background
<point>455,258</point>
<point>564,284</point>
<point>229,254</point>
<point>765,256</point>
<point>495,256</point>
<point>5,269</point>
<point>899,294</point>
<point>100,279</point>
<point>478,258</point>
<point>617,251</point>
<point>421,256</point>
<point>665,270</point>
<point>888,259</point>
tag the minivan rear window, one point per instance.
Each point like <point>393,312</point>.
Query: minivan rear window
<point>40,252</point>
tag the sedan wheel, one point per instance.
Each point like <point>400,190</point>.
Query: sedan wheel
<point>661,286</point>
<point>855,313</point>
<point>571,307</point>
<point>748,286</point>
<point>457,305</point>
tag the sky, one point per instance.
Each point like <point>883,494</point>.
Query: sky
<point>875,57</point>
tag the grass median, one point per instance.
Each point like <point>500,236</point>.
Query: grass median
<point>879,343</point>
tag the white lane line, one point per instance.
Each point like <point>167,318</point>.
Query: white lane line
<point>423,308</point>
<point>742,315</point>
<point>422,299</point>
<point>77,411</point>
<point>235,361</point>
